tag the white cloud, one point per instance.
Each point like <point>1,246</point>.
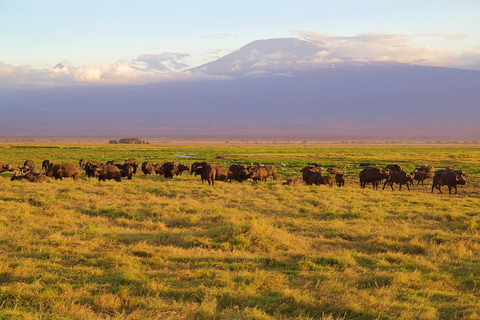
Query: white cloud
<point>168,61</point>
<point>374,47</point>
<point>145,69</point>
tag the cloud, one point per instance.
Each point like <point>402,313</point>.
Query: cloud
<point>145,69</point>
<point>375,47</point>
<point>168,61</point>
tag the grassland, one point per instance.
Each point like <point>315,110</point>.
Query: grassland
<point>152,248</point>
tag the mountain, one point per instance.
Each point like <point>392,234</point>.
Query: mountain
<point>264,57</point>
<point>369,101</point>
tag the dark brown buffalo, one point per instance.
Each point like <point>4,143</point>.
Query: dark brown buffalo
<point>292,182</point>
<point>221,173</point>
<point>113,162</point>
<point>221,157</point>
<point>450,178</point>
<point>82,163</point>
<point>147,167</point>
<point>208,173</point>
<point>334,170</point>
<point>373,176</point>
<point>181,168</point>
<point>158,167</point>
<point>400,178</point>
<point>90,167</point>
<point>340,179</point>
<point>426,169</point>
<point>126,170</point>
<point>27,166</point>
<point>31,176</point>
<point>4,167</point>
<point>421,176</point>
<point>45,164</point>
<point>308,172</point>
<point>170,169</point>
<point>108,172</point>
<point>133,162</point>
<point>195,166</point>
<point>318,179</point>
<point>237,172</point>
<point>367,164</point>
<point>60,171</point>
<point>394,167</point>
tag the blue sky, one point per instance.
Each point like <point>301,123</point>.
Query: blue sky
<point>42,33</point>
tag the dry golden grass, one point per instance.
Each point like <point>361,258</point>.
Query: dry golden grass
<point>151,248</point>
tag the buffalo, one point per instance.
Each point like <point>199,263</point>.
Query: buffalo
<point>394,168</point>
<point>450,178</point>
<point>126,170</point>
<point>400,178</point>
<point>308,172</point>
<point>292,182</point>
<point>90,167</point>
<point>259,173</point>
<point>27,166</point>
<point>4,167</point>
<point>421,176</point>
<point>60,171</point>
<point>31,176</point>
<point>45,164</point>
<point>158,168</point>
<point>181,168</point>
<point>237,172</point>
<point>147,167</point>
<point>318,179</point>
<point>133,162</point>
<point>367,164</point>
<point>208,173</point>
<point>82,163</point>
<point>195,166</point>
<point>426,169</point>
<point>108,172</point>
<point>373,176</point>
<point>170,169</point>
<point>340,179</point>
<point>334,170</point>
<point>221,173</point>
<point>269,169</point>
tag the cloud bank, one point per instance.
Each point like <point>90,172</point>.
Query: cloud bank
<point>255,59</point>
<point>401,48</point>
<point>148,68</point>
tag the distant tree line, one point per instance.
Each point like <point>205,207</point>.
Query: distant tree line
<point>128,141</point>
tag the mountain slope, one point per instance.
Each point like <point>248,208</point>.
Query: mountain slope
<point>263,57</point>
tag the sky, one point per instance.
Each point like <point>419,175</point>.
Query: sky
<point>139,41</point>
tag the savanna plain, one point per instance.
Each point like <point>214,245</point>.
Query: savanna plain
<point>152,248</point>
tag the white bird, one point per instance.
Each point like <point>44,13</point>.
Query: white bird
<point>283,164</point>
<point>251,163</point>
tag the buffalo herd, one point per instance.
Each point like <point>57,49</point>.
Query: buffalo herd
<point>312,174</point>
